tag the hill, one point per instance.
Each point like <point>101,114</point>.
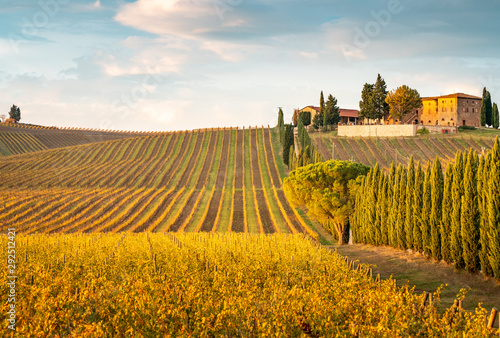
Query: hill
<point>20,138</point>
<point>203,180</point>
<point>425,148</point>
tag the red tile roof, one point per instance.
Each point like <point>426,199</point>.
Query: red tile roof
<point>348,112</point>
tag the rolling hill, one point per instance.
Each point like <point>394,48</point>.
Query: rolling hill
<point>202,180</point>
<point>425,148</point>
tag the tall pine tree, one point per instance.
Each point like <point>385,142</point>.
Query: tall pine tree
<point>470,216</point>
<point>486,109</point>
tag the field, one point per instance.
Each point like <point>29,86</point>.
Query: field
<point>384,151</point>
<point>20,139</point>
<point>213,285</point>
<point>204,180</point>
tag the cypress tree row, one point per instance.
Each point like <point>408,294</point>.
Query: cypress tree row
<point>470,216</point>
<point>447,210</point>
<point>454,217</point>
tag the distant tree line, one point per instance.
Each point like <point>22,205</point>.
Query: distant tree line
<point>453,216</point>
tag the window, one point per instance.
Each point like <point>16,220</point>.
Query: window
<point>467,110</point>
<point>429,121</point>
<point>472,109</point>
<point>463,109</point>
<point>451,109</point>
<point>442,119</point>
<point>442,109</point>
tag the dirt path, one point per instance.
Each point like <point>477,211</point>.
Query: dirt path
<point>238,219</point>
<point>425,274</point>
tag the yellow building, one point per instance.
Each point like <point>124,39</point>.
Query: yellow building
<point>457,109</point>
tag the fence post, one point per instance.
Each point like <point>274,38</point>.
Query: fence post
<point>493,317</point>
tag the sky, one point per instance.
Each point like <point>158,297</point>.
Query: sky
<point>162,65</point>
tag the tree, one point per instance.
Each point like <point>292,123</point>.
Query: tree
<point>401,211</point>
<point>495,119</point>
<point>367,103</point>
<point>295,118</point>
<point>332,115</point>
<point>494,211</point>
<point>456,225</point>
<point>288,142</point>
<point>281,125</point>
<point>470,216</point>
<point>402,101</point>
<point>483,189</point>
<point>305,117</point>
<point>410,187</point>
<point>436,211</point>
<point>426,211</point>
<point>15,113</point>
<point>379,96</point>
<point>447,210</point>
<point>328,189</point>
<point>417,209</point>
<point>486,108</point>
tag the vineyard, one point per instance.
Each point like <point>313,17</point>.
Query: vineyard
<point>20,139</point>
<point>215,285</point>
<point>202,180</point>
<point>384,151</point>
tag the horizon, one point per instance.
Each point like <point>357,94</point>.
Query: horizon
<point>184,65</point>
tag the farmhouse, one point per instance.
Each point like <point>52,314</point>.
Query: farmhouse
<point>347,116</point>
<point>457,109</point>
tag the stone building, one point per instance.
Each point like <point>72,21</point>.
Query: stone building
<point>457,109</point>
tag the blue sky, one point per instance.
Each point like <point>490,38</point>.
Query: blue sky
<point>177,65</point>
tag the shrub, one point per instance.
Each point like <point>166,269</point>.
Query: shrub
<point>423,131</point>
<point>466,128</point>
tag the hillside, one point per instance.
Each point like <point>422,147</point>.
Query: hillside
<point>20,139</point>
<point>425,148</point>
<point>204,180</point>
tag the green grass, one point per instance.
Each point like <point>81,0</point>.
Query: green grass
<point>481,132</point>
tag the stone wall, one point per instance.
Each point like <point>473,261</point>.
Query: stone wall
<point>390,130</point>
<point>439,129</point>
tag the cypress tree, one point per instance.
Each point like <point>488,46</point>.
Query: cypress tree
<point>409,204</point>
<point>447,211</point>
<point>494,211</point>
<point>393,211</point>
<point>483,188</point>
<point>495,119</point>
<point>417,209</point>
<point>426,211</point>
<point>470,216</point>
<point>494,223</point>
<point>486,108</point>
<point>382,210</point>
<point>457,189</point>
<point>401,219</point>
<point>288,143</point>
<point>436,205</point>
<point>281,125</point>
<point>372,205</point>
